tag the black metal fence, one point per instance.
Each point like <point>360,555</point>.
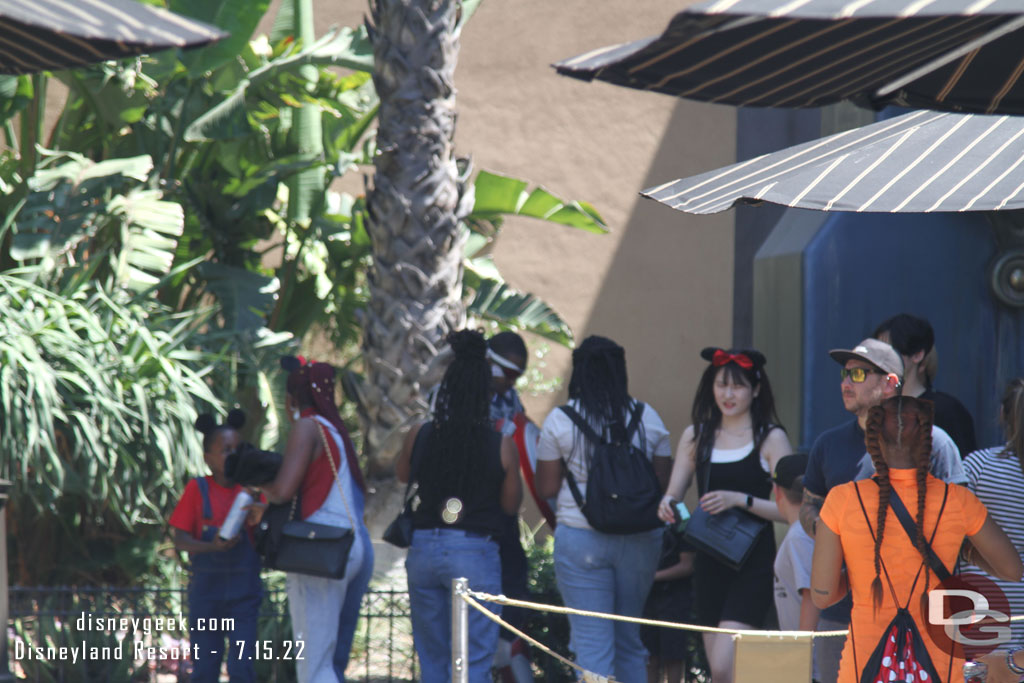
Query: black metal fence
<point>137,635</point>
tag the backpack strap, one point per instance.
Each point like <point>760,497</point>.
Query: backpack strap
<point>634,422</point>
<point>415,460</point>
<point>581,424</point>
<point>871,530</point>
<point>204,493</point>
<point>908,525</point>
<point>592,436</point>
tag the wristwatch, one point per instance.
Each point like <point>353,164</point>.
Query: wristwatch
<point>750,501</point>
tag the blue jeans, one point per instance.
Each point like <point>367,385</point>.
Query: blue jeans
<point>435,557</point>
<point>357,587</point>
<point>607,573</point>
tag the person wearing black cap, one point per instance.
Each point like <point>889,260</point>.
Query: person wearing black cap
<point>793,601</point>
<point>871,372</point>
<point>914,339</point>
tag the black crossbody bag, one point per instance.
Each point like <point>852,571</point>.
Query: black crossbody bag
<point>399,532</point>
<point>729,536</point>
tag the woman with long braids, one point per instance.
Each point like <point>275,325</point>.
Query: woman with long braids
<point>734,442</point>
<point>600,571</point>
<point>468,476</point>
<point>886,566</point>
<point>996,476</point>
<point>320,466</point>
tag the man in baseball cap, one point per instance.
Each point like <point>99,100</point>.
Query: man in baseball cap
<point>871,372</point>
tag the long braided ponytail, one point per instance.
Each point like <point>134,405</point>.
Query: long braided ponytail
<point>925,414</point>
<point>872,439</point>
<point>900,425</point>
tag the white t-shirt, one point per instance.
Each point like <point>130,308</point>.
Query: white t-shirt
<point>793,574</point>
<point>558,440</point>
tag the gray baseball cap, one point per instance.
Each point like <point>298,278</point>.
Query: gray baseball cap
<point>878,353</point>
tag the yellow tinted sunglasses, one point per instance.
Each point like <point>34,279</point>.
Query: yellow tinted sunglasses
<point>856,375</point>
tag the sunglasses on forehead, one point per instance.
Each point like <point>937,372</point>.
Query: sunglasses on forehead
<point>508,373</point>
<point>502,367</point>
<point>856,375</point>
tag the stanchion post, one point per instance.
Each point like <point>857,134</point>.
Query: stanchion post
<point>5,668</point>
<point>460,631</point>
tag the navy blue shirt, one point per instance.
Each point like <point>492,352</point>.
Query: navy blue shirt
<point>835,459</point>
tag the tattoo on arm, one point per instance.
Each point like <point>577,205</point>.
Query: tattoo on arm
<point>821,592</point>
<point>809,511</point>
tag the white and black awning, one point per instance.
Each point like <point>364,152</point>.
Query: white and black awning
<point>919,162</point>
<point>953,55</point>
<point>49,35</point>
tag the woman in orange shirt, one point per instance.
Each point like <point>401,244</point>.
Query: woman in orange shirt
<point>859,529</point>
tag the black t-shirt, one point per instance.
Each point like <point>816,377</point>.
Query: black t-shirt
<point>952,416</point>
<point>481,498</point>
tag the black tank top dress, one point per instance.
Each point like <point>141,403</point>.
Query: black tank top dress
<point>744,595</point>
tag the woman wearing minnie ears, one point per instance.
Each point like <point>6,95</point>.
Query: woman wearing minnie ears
<point>735,430</point>
<point>324,611</point>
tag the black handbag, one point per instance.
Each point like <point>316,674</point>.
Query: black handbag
<point>399,532</point>
<point>729,536</point>
<point>294,545</point>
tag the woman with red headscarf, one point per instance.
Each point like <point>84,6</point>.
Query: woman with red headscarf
<point>324,611</point>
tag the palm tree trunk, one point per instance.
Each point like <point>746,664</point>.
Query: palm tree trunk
<point>415,207</point>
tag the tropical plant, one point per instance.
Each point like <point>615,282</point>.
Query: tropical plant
<point>99,381</point>
<point>420,204</point>
<point>230,226</point>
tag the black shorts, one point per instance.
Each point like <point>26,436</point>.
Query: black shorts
<point>745,595</point>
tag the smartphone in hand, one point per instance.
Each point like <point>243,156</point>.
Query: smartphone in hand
<point>681,514</point>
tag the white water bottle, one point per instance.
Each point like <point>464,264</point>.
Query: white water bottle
<point>233,522</point>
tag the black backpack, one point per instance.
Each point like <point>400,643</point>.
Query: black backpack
<point>622,490</point>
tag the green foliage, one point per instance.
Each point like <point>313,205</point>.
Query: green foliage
<point>98,392</point>
<point>111,660</point>
<point>545,627</point>
<point>152,259</point>
<point>498,196</point>
<point>490,297</point>
<point>77,209</point>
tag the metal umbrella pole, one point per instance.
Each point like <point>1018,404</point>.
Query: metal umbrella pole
<point>460,631</point>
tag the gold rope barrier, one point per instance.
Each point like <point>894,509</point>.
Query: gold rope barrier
<point>471,597</point>
<point>503,600</point>
<point>468,597</point>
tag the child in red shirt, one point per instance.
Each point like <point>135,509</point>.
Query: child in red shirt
<point>225,582</point>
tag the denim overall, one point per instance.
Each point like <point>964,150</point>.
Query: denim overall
<point>224,585</point>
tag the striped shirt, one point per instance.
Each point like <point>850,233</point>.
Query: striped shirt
<point>995,476</point>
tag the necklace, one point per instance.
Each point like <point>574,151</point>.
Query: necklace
<point>730,432</point>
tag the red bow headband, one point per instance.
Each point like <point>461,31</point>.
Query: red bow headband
<point>741,359</point>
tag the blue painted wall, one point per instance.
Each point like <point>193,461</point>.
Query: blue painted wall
<point>862,268</point>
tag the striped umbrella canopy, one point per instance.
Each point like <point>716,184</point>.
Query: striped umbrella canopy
<point>49,35</point>
<point>919,162</point>
<point>951,55</point>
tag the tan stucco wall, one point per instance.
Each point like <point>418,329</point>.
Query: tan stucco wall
<point>661,283</point>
